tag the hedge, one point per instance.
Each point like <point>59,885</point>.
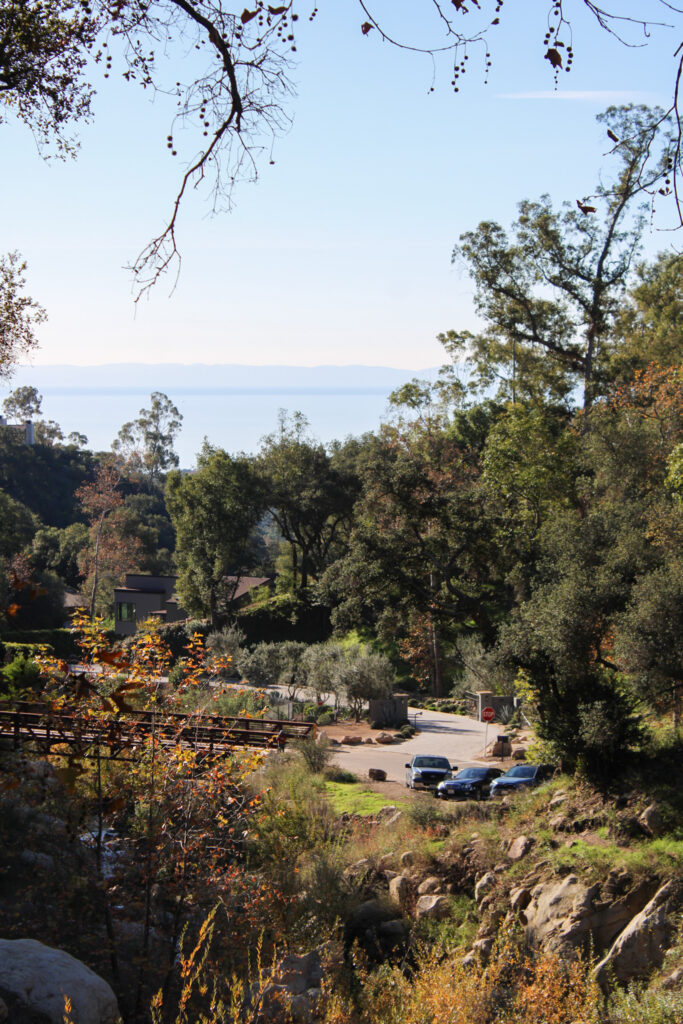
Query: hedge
<point>60,641</point>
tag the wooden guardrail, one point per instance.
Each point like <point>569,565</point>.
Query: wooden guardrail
<point>122,734</point>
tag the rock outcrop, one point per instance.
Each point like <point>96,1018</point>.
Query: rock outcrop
<point>565,915</point>
<point>641,945</point>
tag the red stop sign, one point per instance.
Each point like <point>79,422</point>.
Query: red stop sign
<point>488,714</point>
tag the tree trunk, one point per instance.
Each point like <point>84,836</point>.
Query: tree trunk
<point>93,593</point>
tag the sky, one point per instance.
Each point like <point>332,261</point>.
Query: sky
<point>341,252</point>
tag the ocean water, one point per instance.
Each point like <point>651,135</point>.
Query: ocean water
<point>232,419</point>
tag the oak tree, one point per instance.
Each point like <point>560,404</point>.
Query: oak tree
<point>549,294</point>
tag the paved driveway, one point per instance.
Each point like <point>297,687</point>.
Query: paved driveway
<point>459,739</point>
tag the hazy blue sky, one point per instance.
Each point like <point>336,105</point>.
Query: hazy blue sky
<point>341,252</point>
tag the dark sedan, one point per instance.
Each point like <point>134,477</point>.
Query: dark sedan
<point>522,776</point>
<point>428,771</point>
<point>469,784</point>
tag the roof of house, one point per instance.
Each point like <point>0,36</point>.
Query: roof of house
<point>247,583</point>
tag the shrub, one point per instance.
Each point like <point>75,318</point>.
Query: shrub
<point>316,753</point>
<point>177,635</point>
<point>177,674</point>
<point>425,814</point>
<point>20,674</point>
<point>335,774</point>
<point>62,642</point>
<point>325,717</point>
<point>14,651</point>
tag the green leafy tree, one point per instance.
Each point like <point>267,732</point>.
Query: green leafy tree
<point>17,526</point>
<point>649,641</point>
<point>213,511</point>
<point>530,464</point>
<point>23,404</point>
<point>309,498</point>
<point>649,325</point>
<point>58,551</point>
<point>562,637</point>
<point>146,444</point>
<point>20,315</point>
<point>422,540</point>
<point>549,294</point>
<point>321,664</point>
<point>364,676</point>
<point>281,664</point>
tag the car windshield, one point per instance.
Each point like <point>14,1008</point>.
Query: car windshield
<point>431,762</point>
<point>472,773</point>
<point>521,771</point>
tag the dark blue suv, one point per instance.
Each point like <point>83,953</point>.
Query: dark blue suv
<point>521,776</point>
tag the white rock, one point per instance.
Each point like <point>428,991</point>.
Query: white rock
<point>41,977</point>
<point>432,908</point>
<point>429,885</point>
<point>484,886</point>
<point>398,888</point>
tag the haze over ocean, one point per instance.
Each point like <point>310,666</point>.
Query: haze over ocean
<point>232,406</point>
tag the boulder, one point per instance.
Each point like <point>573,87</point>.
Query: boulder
<point>292,992</point>
<point>392,934</point>
<point>519,753</point>
<point>41,861</point>
<point>351,741</point>
<point>484,886</point>
<point>384,737</point>
<point>368,741</point>
<point>377,775</point>
<point>651,822</point>
<point>360,868</point>
<point>407,859</point>
<point>482,948</point>
<point>520,898</point>
<point>429,885</point>
<point>40,977</point>
<point>519,847</point>
<point>370,914</point>
<point>432,908</point>
<point>641,945</point>
<point>398,889</point>
<point>394,819</point>
<point>672,980</point>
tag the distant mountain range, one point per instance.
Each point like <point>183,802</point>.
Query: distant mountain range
<point>194,378</point>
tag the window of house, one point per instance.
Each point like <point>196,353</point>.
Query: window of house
<point>125,611</point>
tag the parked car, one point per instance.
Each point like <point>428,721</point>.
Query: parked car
<point>428,771</point>
<point>468,784</point>
<point>521,776</point>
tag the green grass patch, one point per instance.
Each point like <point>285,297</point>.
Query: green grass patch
<point>352,798</point>
<point>657,856</point>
